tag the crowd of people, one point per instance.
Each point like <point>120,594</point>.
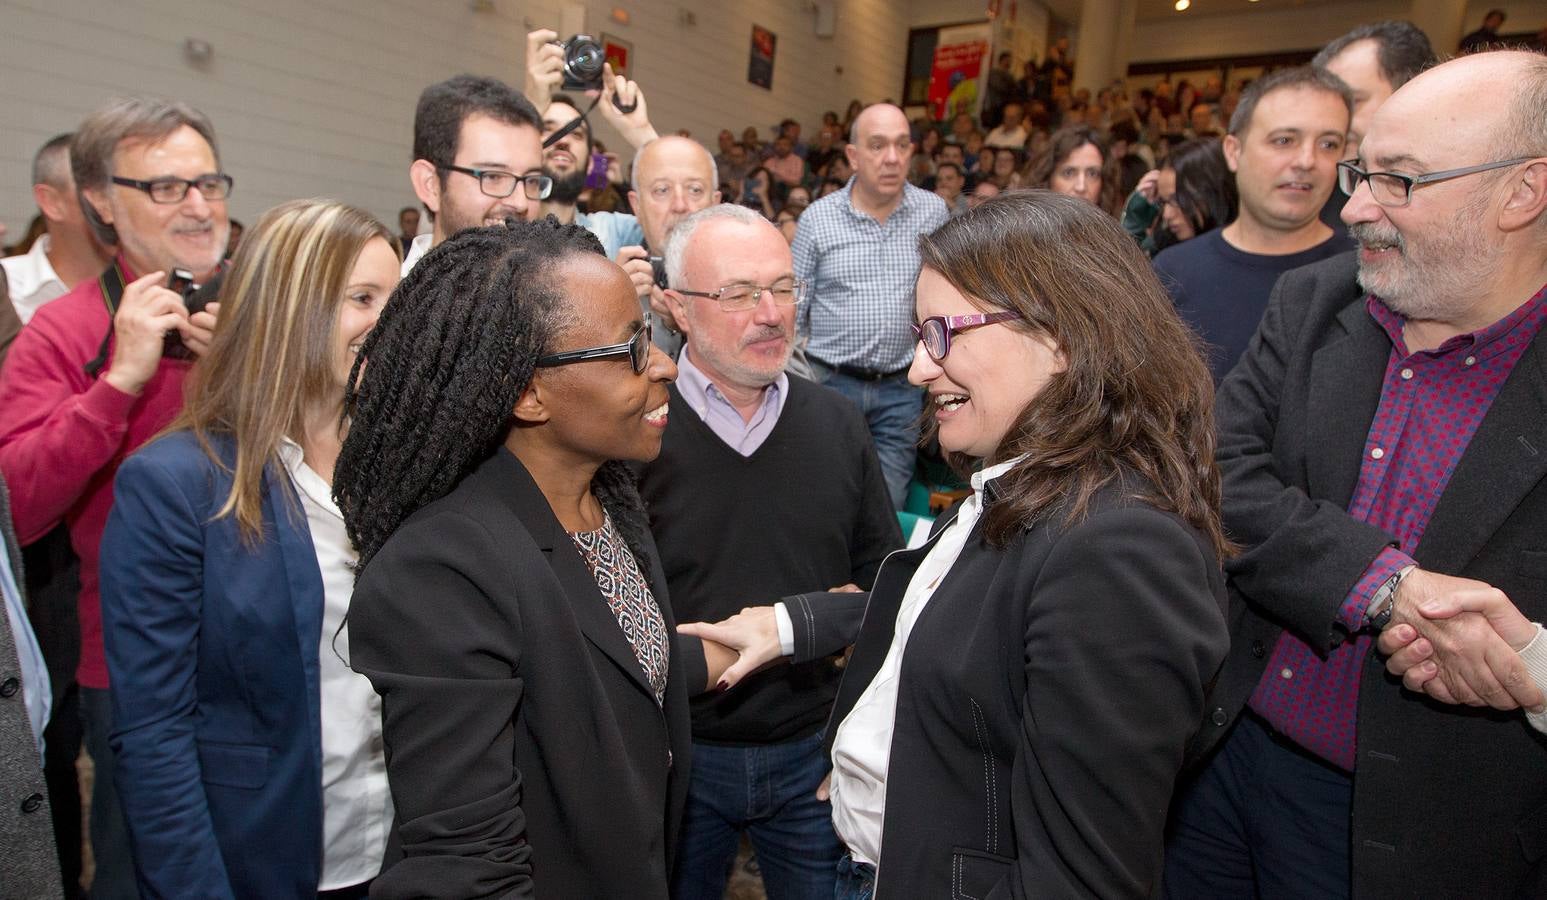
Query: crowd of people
<point>555,547</point>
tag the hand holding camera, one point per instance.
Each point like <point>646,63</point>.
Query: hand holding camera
<point>147,312</point>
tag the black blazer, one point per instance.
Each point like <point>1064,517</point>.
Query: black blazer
<point>1046,695</point>
<point>526,752</point>
<point>1449,801</point>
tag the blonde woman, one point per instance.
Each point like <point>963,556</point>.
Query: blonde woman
<point>251,760</point>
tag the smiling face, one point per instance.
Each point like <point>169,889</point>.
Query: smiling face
<point>745,348</point>
<point>190,234</point>
<point>486,143</point>
<point>371,281</point>
<point>1285,159</point>
<point>600,410</point>
<point>977,393</point>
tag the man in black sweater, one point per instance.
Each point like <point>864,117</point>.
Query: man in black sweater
<point>1285,140</point>
<point>767,485</point>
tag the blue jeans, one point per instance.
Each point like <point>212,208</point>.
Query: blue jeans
<point>114,877</point>
<point>1263,819</point>
<point>892,409</point>
<point>856,880</point>
<point>770,792</point>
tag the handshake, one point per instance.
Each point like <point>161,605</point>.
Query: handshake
<point>1460,641</point>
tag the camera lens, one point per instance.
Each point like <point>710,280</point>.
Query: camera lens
<point>583,59</point>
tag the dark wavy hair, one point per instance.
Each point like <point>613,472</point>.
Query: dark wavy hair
<point>1064,141</point>
<point>1135,399</point>
<point>431,394</point>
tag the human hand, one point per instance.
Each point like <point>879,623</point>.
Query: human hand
<point>635,262</point>
<point>717,658</point>
<point>634,125</point>
<point>544,67</point>
<point>1149,186</point>
<point>146,312</point>
<point>1474,663</point>
<point>824,791</point>
<point>199,331</point>
<point>661,308</point>
<point>753,633</point>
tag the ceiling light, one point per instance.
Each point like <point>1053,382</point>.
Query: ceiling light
<point>1182,4</point>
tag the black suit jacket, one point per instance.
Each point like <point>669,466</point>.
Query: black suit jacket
<point>1448,801</point>
<point>525,749</point>
<point>1045,699</point>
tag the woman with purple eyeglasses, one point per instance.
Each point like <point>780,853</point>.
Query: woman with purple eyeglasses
<point>1023,687</point>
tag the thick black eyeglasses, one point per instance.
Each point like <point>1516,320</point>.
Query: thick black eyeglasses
<point>636,348</point>
<point>1395,190</point>
<point>499,185</point>
<point>935,332</point>
<point>214,186</point>
<point>746,296</point>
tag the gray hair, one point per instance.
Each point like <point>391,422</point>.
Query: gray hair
<point>714,170</point>
<point>1525,130</point>
<point>51,165</point>
<point>126,118</point>
<point>677,241</point>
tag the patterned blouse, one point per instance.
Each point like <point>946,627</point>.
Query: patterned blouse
<point>628,595</point>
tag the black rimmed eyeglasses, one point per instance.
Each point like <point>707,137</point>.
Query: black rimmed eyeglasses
<point>1395,190</point>
<point>746,296</point>
<point>499,185</point>
<point>935,332</point>
<point>168,190</point>
<point>636,348</point>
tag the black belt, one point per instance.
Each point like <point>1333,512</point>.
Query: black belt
<point>859,374</point>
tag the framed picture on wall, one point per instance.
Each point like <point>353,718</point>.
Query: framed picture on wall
<point>619,53</point>
<point>760,65</point>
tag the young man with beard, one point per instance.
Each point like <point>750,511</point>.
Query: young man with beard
<point>1381,450</point>
<point>1285,140</point>
<point>739,434</point>
<point>568,159</point>
<point>477,159</point>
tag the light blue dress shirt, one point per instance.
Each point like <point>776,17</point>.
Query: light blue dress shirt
<point>36,689</point>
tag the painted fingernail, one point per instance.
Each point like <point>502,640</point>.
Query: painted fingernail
<point>722,685</point>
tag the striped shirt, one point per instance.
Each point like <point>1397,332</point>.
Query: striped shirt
<point>861,274</point>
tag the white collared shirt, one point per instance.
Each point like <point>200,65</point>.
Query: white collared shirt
<point>413,252</point>
<point>32,280</point>
<point>862,748</point>
<point>356,804</point>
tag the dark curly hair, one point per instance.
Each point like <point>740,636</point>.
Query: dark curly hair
<point>448,359</point>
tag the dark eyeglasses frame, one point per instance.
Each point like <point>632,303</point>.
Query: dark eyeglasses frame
<point>757,290</point>
<point>636,348</point>
<point>149,187</point>
<point>949,325</point>
<point>1411,181</point>
<point>543,182</point>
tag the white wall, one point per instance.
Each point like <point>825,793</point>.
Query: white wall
<point>1300,28</point>
<point>316,97</point>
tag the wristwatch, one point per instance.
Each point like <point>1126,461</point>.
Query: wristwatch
<point>1378,614</point>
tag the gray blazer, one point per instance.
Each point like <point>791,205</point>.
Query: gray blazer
<point>29,866</point>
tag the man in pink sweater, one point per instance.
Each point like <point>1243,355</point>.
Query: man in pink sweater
<point>91,377</point>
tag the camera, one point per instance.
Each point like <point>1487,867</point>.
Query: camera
<point>658,269</point>
<point>195,298</point>
<point>583,63</point>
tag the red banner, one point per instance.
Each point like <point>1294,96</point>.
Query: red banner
<point>953,83</point>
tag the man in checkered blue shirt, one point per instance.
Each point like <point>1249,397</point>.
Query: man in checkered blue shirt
<point>858,250</point>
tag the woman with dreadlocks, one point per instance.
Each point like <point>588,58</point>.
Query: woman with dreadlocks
<point>510,610</point>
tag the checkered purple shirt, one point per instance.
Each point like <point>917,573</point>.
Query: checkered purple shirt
<point>1431,404</point>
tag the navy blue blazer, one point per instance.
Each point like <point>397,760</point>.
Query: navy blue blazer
<point>212,648</point>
